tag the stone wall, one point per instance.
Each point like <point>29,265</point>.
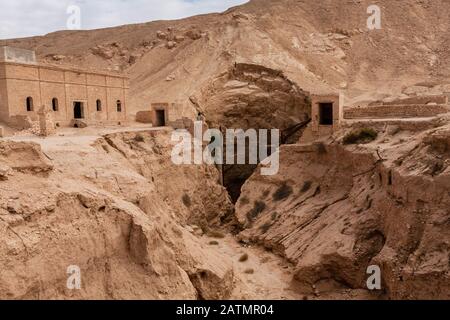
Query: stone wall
<point>144,116</point>
<point>437,99</point>
<point>21,122</point>
<point>396,111</point>
<point>186,124</point>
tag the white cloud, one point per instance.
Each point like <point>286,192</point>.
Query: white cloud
<point>22,18</point>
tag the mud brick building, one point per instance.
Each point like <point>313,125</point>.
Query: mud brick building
<point>72,94</point>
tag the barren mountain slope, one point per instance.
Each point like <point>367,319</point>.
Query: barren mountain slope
<point>317,44</point>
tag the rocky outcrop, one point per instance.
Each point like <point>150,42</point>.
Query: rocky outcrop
<point>24,157</point>
<point>251,96</point>
<point>194,192</point>
<point>334,211</point>
<point>115,218</point>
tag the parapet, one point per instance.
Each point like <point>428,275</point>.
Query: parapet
<point>17,55</point>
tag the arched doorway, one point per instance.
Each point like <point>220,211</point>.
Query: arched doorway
<point>30,106</point>
<point>55,104</point>
<point>78,110</point>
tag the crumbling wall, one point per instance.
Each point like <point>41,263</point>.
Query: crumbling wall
<point>334,211</point>
<point>396,111</point>
<point>46,124</point>
<point>438,99</point>
<point>21,122</point>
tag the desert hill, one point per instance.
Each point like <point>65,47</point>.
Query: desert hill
<point>320,45</point>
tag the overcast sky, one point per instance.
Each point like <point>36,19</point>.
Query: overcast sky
<point>23,18</point>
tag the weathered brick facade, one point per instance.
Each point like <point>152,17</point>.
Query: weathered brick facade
<point>25,86</point>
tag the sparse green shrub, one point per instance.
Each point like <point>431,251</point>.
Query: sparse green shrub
<point>256,211</point>
<point>215,234</point>
<point>186,200</point>
<point>321,148</point>
<point>360,136</point>
<point>244,200</point>
<point>436,167</point>
<point>274,216</point>
<point>139,138</point>
<point>243,258</point>
<point>265,227</point>
<point>306,186</point>
<point>283,192</point>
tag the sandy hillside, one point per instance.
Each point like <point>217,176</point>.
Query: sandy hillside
<point>320,45</point>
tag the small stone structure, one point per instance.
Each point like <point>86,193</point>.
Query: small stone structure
<point>46,124</point>
<point>160,114</point>
<point>188,124</point>
<point>183,123</point>
<point>327,111</point>
<point>163,114</point>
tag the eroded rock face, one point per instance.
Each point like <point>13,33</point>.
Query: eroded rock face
<point>334,211</point>
<point>24,157</point>
<point>193,192</point>
<point>251,96</point>
<point>254,96</point>
<point>102,212</point>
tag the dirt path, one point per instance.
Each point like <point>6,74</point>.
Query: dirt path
<point>272,276</point>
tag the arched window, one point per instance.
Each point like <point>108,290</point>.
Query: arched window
<point>55,104</point>
<point>119,106</point>
<point>99,105</point>
<point>29,104</point>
